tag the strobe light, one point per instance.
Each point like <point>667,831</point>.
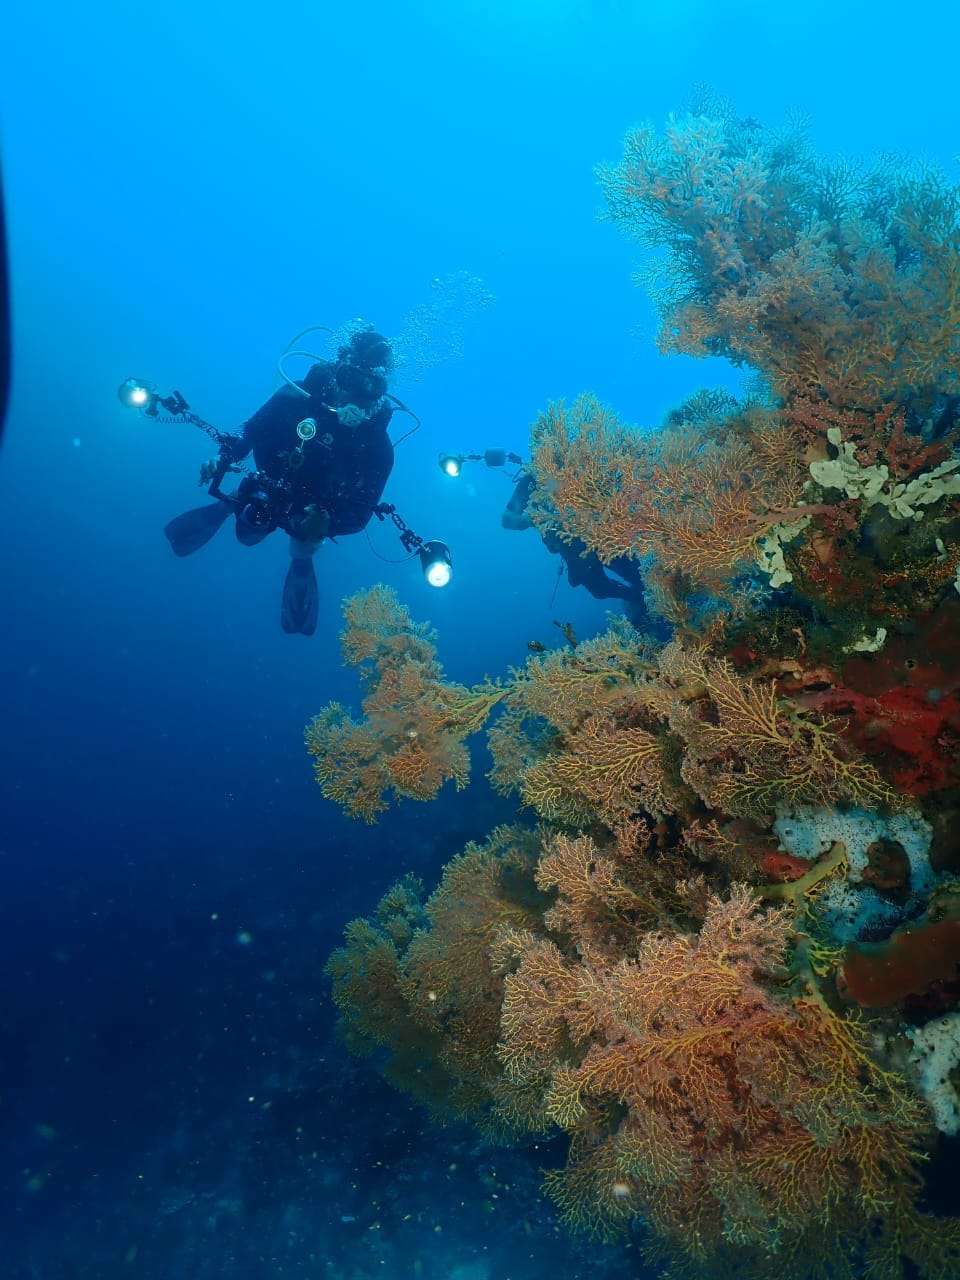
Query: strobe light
<point>436,563</point>
<point>451,464</point>
<point>135,393</point>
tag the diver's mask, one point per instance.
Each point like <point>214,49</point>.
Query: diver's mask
<point>356,383</point>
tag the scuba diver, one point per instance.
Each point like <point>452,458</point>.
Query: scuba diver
<point>323,458</point>
<point>584,567</point>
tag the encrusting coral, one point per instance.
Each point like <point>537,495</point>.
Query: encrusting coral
<point>724,962</point>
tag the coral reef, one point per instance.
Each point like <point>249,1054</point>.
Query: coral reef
<point>737,1123</point>
<point>723,960</point>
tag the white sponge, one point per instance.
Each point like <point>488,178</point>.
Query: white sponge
<point>936,1053</point>
<point>850,909</point>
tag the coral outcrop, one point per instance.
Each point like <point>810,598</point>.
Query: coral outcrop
<point>723,956</point>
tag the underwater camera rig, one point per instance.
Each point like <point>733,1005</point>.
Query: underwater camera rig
<point>263,501</point>
<point>451,464</point>
<point>435,559</point>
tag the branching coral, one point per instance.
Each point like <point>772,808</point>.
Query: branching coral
<point>605,770</point>
<point>594,750</point>
<point>602,733</point>
<point>748,750</point>
<point>605,895</point>
<point>759,487</point>
<point>826,280</point>
<point>698,500</point>
<point>411,737</point>
<point>720,1113</point>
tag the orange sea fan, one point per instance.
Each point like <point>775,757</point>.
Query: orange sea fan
<point>602,896</point>
<point>414,721</point>
<point>747,749</point>
<point>755,1117</point>
<point>697,500</point>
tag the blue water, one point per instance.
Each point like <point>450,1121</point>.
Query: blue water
<point>188,186</point>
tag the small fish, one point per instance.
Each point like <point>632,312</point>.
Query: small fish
<point>536,647</point>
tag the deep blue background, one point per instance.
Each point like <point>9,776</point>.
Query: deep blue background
<point>188,187</point>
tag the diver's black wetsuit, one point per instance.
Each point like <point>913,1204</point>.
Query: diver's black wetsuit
<point>584,567</point>
<point>326,489</point>
<point>344,469</point>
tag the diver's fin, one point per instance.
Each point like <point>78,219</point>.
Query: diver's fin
<point>194,529</point>
<point>300,606</point>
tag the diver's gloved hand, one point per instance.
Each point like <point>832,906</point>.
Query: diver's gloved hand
<point>210,469</point>
<point>313,525</point>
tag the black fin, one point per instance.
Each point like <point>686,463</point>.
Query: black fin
<point>194,529</point>
<point>300,607</point>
